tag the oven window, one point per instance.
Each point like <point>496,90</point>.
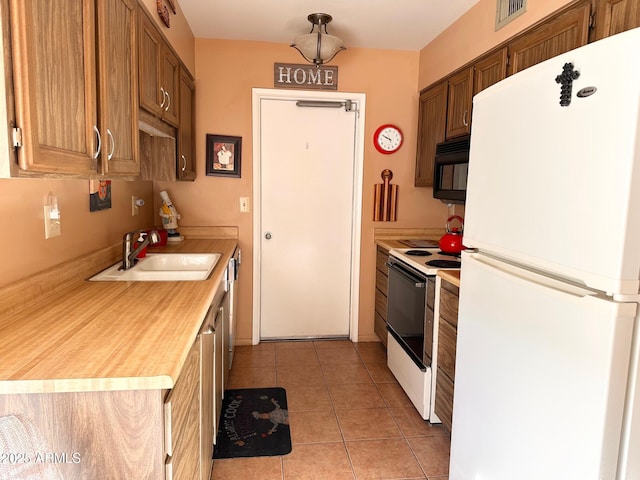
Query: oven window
<point>406,311</point>
<point>454,176</point>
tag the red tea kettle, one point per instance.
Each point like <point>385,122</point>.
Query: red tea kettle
<point>451,242</point>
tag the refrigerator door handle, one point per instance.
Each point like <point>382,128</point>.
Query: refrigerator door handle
<point>532,276</point>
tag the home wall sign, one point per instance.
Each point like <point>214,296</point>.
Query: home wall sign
<point>307,77</point>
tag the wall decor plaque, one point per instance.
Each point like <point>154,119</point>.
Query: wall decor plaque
<point>305,76</point>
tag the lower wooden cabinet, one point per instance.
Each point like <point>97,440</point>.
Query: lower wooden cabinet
<point>444,400</point>
<point>207,381</point>
<point>182,421</point>
<point>447,301</point>
<point>129,434</point>
<point>380,321</point>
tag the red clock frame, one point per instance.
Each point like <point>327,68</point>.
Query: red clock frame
<point>377,133</point>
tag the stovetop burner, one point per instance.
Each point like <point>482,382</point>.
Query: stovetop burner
<point>444,263</point>
<point>457,255</point>
<point>418,253</point>
<point>427,261</point>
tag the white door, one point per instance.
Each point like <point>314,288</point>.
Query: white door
<point>306,210</point>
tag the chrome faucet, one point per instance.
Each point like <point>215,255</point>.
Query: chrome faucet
<point>129,254</point>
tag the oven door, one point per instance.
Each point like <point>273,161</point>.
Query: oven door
<point>406,309</point>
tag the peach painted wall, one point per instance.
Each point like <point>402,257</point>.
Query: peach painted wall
<point>472,35</point>
<point>23,248</point>
<point>226,72</point>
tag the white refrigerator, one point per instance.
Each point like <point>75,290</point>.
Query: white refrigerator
<point>546,380</point>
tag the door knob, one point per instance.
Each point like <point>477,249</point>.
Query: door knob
<point>267,235</point>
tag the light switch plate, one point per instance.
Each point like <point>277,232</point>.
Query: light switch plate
<point>134,207</point>
<point>244,204</point>
<point>52,227</point>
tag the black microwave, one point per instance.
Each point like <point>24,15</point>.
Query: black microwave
<point>450,170</point>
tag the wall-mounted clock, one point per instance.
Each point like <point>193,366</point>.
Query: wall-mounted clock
<point>387,139</point>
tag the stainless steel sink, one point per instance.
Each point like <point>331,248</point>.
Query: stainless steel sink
<point>163,267</point>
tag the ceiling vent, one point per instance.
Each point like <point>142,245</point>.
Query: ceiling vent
<point>507,10</point>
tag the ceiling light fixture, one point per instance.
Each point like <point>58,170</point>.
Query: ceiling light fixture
<point>318,47</point>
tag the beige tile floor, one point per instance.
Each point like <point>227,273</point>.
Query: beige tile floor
<point>348,416</point>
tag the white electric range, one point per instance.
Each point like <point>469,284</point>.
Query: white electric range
<point>423,259</point>
<point>412,322</point>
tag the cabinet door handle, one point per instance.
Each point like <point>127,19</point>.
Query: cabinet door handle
<point>166,109</point>
<point>464,119</point>
<point>184,162</point>
<point>168,470</point>
<point>95,129</point>
<point>168,432</point>
<point>208,331</point>
<point>164,97</point>
<point>113,144</point>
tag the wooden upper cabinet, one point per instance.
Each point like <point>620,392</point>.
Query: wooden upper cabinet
<point>432,119</point>
<point>464,84</point>
<point>186,167</point>
<point>490,69</point>
<point>117,66</point>
<point>78,116</point>
<point>563,33</point>
<point>615,16</point>
<point>459,103</point>
<point>158,72</point>
<point>149,47</point>
<point>445,109</point>
<point>55,101</point>
<point>170,86</point>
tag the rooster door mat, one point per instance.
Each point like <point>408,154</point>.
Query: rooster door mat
<point>254,423</point>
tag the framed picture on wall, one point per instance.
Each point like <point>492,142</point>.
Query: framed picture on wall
<point>99,195</point>
<point>223,155</point>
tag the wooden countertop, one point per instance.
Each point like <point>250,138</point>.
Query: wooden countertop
<point>389,244</point>
<point>96,336</point>
<point>393,243</point>
<point>393,237</point>
<point>452,276</point>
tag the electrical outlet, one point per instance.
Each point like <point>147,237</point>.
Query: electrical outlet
<point>52,227</point>
<point>244,204</point>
